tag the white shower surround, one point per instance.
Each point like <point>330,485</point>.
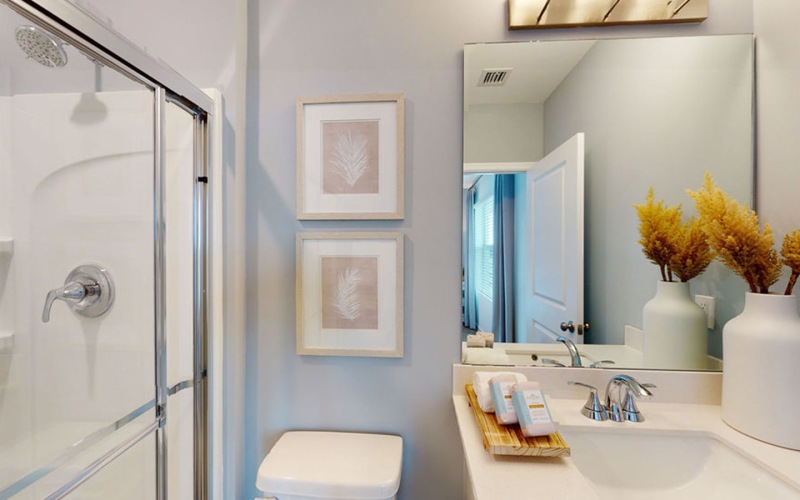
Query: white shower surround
<point>76,194</point>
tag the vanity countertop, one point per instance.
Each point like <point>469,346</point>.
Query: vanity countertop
<point>510,478</point>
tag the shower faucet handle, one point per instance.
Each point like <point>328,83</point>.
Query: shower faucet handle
<point>88,291</point>
<point>70,292</point>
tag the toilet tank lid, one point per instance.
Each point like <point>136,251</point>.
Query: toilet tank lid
<point>333,465</point>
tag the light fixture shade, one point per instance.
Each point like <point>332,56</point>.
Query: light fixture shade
<point>526,14</point>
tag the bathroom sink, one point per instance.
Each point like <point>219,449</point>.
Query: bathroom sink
<point>633,464</point>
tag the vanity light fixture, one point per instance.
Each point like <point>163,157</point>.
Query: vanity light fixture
<point>534,14</point>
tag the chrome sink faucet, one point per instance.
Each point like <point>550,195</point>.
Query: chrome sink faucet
<point>620,404</point>
<point>621,392</point>
<point>575,357</point>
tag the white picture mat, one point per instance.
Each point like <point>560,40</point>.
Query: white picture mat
<point>314,115</point>
<point>315,337</point>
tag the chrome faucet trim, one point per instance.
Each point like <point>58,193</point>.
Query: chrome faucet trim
<point>598,364</point>
<point>623,407</point>
<point>593,408</point>
<point>72,292</point>
<point>575,357</point>
<point>88,291</point>
<point>553,362</point>
<point>617,407</point>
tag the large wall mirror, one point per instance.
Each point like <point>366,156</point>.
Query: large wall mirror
<point>654,112</point>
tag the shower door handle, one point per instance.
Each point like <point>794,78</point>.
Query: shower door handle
<point>88,291</point>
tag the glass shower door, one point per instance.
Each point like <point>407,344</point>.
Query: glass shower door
<point>77,273</point>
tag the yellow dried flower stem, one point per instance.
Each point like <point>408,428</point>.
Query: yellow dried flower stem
<point>733,233</point>
<point>659,230</point>
<point>790,253</point>
<point>693,254</point>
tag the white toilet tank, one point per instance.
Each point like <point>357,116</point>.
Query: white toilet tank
<point>316,465</point>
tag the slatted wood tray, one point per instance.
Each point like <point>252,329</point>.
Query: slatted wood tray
<point>508,439</point>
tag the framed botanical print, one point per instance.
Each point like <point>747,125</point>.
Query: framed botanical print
<point>350,157</point>
<point>350,294</point>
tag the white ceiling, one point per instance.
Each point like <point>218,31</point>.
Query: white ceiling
<point>537,69</point>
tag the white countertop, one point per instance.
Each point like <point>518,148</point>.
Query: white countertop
<point>510,478</point>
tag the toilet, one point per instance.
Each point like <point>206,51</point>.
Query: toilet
<point>317,465</point>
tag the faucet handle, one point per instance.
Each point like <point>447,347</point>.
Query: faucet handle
<point>593,408</point>
<point>597,364</point>
<point>71,292</point>
<point>630,411</point>
<point>590,387</point>
<point>88,291</point>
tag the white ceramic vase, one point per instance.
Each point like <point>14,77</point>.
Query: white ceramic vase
<point>675,334</point>
<point>761,369</point>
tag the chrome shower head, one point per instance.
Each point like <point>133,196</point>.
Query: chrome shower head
<point>41,46</point>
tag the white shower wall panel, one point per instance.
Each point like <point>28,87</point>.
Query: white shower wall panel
<point>5,167</point>
<point>83,193</point>
<point>6,234</point>
<point>15,361</point>
<point>131,477</point>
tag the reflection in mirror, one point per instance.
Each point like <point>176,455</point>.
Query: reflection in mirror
<point>654,112</point>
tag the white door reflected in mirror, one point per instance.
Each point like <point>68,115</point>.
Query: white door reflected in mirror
<point>555,210</point>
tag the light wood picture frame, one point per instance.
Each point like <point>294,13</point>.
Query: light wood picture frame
<point>349,294</point>
<point>350,157</point>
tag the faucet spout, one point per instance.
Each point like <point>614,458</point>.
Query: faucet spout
<point>631,383</point>
<point>575,357</point>
<point>624,407</point>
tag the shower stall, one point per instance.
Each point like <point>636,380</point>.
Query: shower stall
<point>104,264</point>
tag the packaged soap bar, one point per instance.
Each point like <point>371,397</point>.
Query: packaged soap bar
<point>531,410</point>
<point>480,384</point>
<point>500,390</point>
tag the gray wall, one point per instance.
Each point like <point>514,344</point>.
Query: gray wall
<point>503,133</point>
<point>651,122</point>
<point>778,99</point>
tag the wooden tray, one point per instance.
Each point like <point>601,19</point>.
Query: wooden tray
<point>508,439</point>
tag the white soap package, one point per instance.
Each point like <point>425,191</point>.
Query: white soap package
<point>531,410</point>
<point>480,384</point>
<point>500,388</point>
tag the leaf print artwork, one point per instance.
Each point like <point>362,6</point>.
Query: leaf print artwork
<point>350,293</point>
<point>350,157</point>
<point>346,301</point>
